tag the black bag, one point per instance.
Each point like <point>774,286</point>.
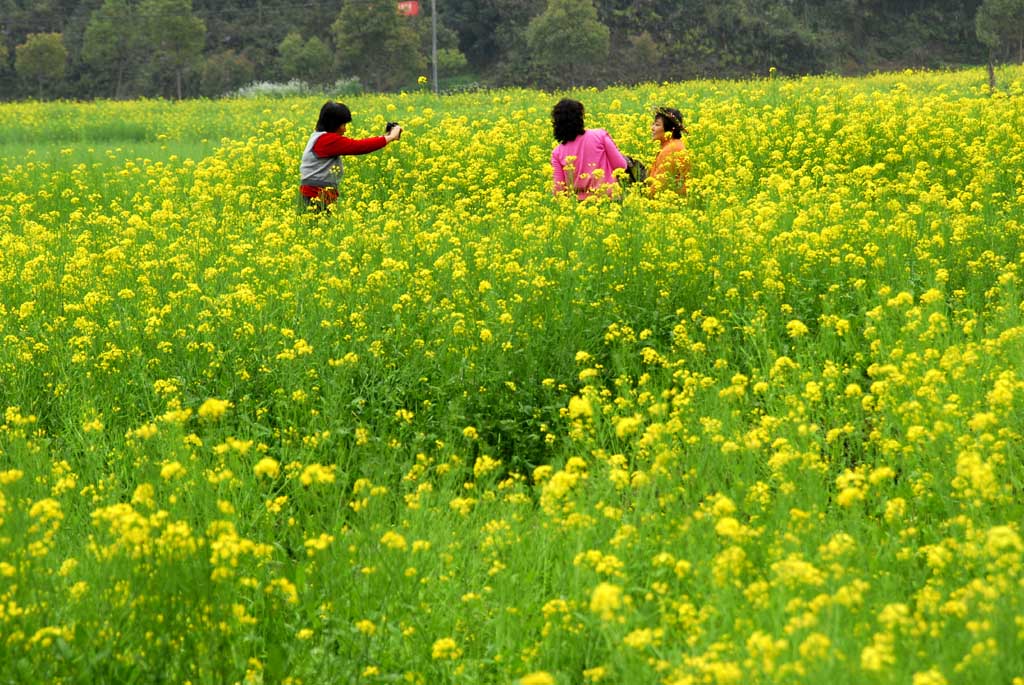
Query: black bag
<point>636,171</point>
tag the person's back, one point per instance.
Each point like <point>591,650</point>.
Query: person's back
<point>584,161</point>
<point>316,171</point>
<point>587,163</point>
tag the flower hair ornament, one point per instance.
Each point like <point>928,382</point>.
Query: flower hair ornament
<point>672,118</point>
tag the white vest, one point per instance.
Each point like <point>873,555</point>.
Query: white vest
<point>320,172</point>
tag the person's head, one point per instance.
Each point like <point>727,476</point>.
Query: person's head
<point>333,116</point>
<point>567,120</point>
<point>668,123</point>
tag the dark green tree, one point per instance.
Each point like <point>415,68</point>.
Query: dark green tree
<point>492,32</point>
<point>20,17</point>
<point>568,40</point>
<point>111,44</point>
<point>42,59</point>
<point>223,72</point>
<point>254,28</point>
<point>377,45</point>
<point>641,61</point>
<point>1000,27</point>
<point>306,60</point>
<point>175,37</point>
<point>451,61</point>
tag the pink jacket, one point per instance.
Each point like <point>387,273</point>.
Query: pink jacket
<point>573,164</point>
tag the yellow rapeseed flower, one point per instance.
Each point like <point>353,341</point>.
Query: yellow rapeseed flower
<point>267,468</point>
<point>393,540</point>
<point>214,408</point>
<point>445,648</point>
<point>172,470</point>
<point>606,600</point>
<point>796,328</point>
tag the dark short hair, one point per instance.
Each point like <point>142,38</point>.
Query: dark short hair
<point>332,115</point>
<point>567,120</point>
<point>671,119</point>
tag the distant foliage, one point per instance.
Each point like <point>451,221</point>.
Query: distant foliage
<point>568,40</point>
<point>451,61</point>
<point>162,48</point>
<point>113,45</point>
<point>175,39</point>
<point>225,71</point>
<point>41,59</point>
<point>307,60</point>
<point>1000,26</point>
<point>374,43</point>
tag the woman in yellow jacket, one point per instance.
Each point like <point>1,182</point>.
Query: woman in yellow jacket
<point>672,165</point>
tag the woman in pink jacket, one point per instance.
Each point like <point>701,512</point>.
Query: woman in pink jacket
<point>585,160</point>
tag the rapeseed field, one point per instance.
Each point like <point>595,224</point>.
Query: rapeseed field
<point>461,431</point>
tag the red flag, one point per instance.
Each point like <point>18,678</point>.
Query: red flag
<point>409,8</point>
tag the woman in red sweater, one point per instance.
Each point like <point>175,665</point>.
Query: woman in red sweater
<point>321,168</point>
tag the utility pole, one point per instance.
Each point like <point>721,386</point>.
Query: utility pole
<point>433,42</point>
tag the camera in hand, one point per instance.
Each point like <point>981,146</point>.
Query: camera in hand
<point>390,125</point>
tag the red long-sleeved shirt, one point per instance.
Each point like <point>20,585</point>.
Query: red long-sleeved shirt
<point>336,145</point>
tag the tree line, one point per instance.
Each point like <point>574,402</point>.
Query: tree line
<point>190,48</point>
